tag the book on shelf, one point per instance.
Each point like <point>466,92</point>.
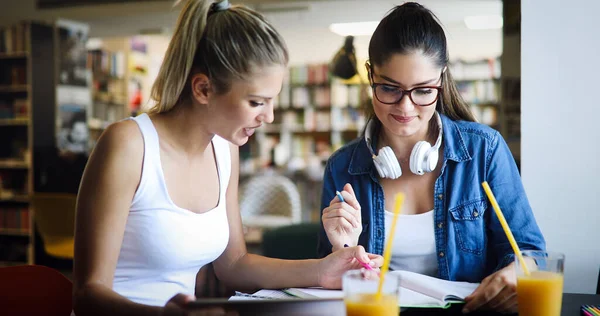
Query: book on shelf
<point>13,218</point>
<point>416,291</point>
<point>13,39</point>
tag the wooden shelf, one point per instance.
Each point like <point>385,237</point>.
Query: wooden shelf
<point>315,132</point>
<point>14,232</point>
<point>14,55</point>
<point>13,164</point>
<point>310,85</point>
<point>14,122</point>
<point>12,263</point>
<point>314,108</point>
<point>14,88</point>
<point>16,198</point>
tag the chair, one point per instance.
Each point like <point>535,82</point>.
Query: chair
<point>54,215</point>
<point>298,241</point>
<point>269,200</point>
<point>34,290</point>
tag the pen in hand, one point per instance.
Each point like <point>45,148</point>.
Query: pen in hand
<point>339,196</point>
<point>365,265</point>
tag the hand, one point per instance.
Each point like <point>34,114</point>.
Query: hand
<point>332,267</point>
<point>342,221</point>
<point>497,292</point>
<point>176,307</point>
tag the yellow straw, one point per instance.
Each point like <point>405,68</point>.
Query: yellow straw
<point>507,231</point>
<point>387,252</point>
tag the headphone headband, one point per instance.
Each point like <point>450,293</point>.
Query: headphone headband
<point>371,126</point>
<point>423,157</point>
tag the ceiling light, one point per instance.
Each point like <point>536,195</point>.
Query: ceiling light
<point>354,28</point>
<point>484,22</point>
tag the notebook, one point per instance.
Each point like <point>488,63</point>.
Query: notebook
<point>417,290</point>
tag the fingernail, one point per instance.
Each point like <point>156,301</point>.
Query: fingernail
<point>372,263</point>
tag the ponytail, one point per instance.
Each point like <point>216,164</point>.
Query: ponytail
<point>221,41</point>
<point>452,103</point>
<point>179,58</point>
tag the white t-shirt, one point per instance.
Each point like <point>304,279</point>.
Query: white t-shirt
<point>413,247</point>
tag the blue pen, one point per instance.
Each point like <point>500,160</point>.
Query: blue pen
<point>340,197</point>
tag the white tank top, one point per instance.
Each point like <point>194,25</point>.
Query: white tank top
<point>164,245</point>
<point>413,248</point>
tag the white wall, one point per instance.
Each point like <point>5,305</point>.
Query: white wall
<point>560,136</point>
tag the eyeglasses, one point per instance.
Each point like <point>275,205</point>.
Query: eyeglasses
<point>392,94</point>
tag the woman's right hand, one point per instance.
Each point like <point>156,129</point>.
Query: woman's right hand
<point>342,220</point>
<point>176,307</point>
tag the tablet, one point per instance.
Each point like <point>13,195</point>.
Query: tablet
<point>291,307</point>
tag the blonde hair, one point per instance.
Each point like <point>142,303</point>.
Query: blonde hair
<point>223,44</point>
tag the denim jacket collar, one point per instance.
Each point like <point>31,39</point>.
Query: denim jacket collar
<point>453,142</point>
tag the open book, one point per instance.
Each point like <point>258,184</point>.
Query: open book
<point>417,290</point>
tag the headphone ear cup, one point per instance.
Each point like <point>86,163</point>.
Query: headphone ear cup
<point>431,160</point>
<point>418,157</point>
<point>379,165</point>
<point>390,162</point>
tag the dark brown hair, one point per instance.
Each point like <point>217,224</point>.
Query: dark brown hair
<point>410,28</point>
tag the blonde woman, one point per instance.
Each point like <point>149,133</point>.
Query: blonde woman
<point>158,198</point>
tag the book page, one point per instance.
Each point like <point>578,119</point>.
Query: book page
<point>314,293</point>
<point>440,290</point>
<point>408,298</point>
<point>261,295</point>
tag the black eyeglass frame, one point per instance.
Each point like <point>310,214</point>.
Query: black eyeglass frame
<point>404,92</point>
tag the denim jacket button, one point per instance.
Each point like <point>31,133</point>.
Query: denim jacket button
<point>441,253</point>
<point>475,213</point>
<point>440,225</point>
<point>440,196</point>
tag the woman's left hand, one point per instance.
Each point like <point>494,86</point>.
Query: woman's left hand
<point>497,292</point>
<point>332,267</point>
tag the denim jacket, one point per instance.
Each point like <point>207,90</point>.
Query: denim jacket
<point>470,242</point>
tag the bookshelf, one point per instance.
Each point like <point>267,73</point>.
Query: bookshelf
<point>478,82</point>
<point>119,69</point>
<point>26,113</point>
<point>109,88</point>
<point>314,115</point>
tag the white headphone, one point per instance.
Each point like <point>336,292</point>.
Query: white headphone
<point>423,157</point>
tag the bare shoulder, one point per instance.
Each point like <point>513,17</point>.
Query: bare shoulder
<point>122,137</point>
<point>119,153</point>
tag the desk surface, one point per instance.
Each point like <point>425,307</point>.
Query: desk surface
<point>570,307</point>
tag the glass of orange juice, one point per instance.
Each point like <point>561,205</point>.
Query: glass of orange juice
<point>540,292</point>
<point>360,294</point>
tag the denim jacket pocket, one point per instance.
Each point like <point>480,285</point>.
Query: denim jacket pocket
<point>469,226</point>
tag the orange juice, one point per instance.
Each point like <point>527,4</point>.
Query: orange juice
<point>368,305</point>
<point>540,293</point>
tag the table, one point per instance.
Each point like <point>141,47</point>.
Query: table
<point>570,307</point>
